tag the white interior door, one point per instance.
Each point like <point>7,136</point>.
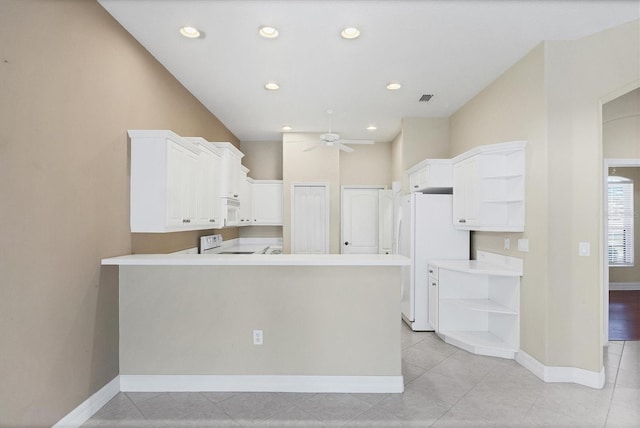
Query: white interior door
<point>359,220</point>
<point>310,219</point>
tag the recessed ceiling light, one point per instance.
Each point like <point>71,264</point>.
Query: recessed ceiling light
<point>287,128</point>
<point>394,86</point>
<point>268,32</point>
<point>190,32</point>
<point>371,128</point>
<point>272,86</point>
<point>350,33</point>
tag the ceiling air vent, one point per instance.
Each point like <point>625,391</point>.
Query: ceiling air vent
<point>425,98</point>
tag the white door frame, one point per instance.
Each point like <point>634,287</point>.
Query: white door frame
<point>342,189</point>
<point>608,163</point>
<point>327,194</point>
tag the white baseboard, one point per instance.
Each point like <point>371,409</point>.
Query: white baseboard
<point>552,374</point>
<point>620,286</point>
<point>250,383</point>
<point>90,406</point>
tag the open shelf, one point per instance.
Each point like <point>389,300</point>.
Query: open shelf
<point>483,305</point>
<point>480,342</point>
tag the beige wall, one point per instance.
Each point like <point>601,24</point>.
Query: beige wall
<point>513,108</point>
<point>630,273</point>
<point>581,75</point>
<point>367,165</point>
<point>621,126</point>
<point>425,138</point>
<point>316,320</point>
<point>421,138</point>
<point>263,158</point>
<point>71,86</point>
<point>397,170</point>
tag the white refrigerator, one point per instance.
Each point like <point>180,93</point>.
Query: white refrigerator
<point>424,228</point>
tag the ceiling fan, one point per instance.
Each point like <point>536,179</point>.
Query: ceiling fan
<point>330,139</point>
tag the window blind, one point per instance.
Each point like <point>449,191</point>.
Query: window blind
<point>620,222</point>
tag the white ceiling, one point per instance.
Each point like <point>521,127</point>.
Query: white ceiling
<point>451,49</point>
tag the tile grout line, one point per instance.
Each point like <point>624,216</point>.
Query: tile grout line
<point>615,385</point>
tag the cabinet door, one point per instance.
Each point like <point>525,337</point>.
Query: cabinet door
<point>433,302</point>
<point>465,193</point>
<point>175,177</point>
<point>208,194</point>
<point>423,177</point>
<point>234,177</point>
<point>230,177</point>
<point>246,203</point>
<point>414,181</point>
<point>267,203</point>
<point>182,186</point>
<point>190,188</point>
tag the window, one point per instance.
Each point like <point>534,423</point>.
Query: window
<point>620,221</point>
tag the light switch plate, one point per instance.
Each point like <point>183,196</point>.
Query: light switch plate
<point>507,243</point>
<point>584,249</point>
<point>523,245</point>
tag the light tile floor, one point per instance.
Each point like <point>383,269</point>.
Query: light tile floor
<point>445,387</point>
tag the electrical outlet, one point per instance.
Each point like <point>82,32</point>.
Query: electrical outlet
<point>257,337</point>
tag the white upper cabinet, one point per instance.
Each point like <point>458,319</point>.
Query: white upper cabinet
<point>431,176</point>
<point>209,170</point>
<point>488,188</point>
<point>164,182</point>
<point>230,177</point>
<point>267,202</point>
<point>246,192</point>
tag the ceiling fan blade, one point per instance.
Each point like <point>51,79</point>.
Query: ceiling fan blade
<point>343,147</point>
<point>342,141</point>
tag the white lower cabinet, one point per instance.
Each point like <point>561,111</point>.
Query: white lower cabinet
<point>478,303</point>
<point>433,297</point>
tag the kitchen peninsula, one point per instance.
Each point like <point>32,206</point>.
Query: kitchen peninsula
<point>298,323</point>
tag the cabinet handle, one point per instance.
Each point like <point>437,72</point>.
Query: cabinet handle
<point>212,220</point>
<point>235,196</point>
<point>346,243</point>
<point>415,186</point>
<point>186,220</point>
<point>433,284</point>
<point>430,270</point>
<point>255,219</point>
<point>462,220</point>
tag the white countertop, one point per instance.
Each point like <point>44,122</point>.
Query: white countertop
<point>487,264</point>
<point>257,260</point>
